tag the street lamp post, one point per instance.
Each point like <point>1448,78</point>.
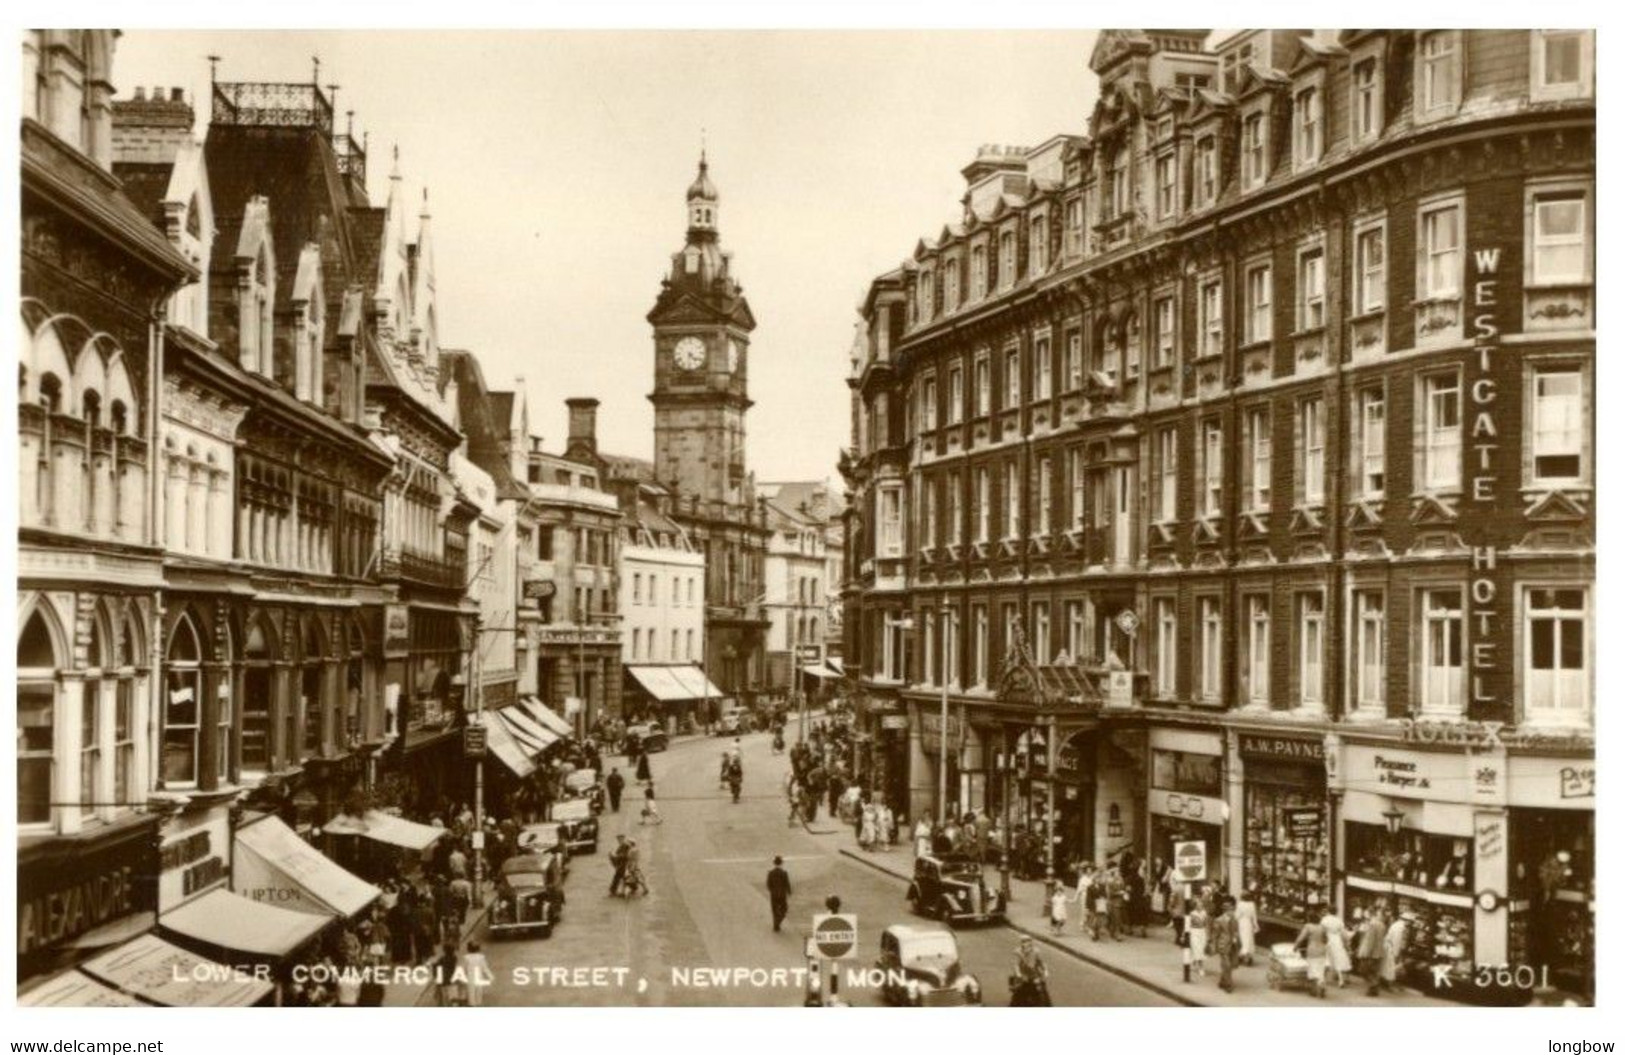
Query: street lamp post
<point>942,730</point>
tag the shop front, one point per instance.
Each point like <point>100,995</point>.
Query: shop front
<point>887,754</point>
<point>1409,846</point>
<point>1551,881</point>
<point>1286,854</point>
<point>1185,808</point>
<point>425,681</point>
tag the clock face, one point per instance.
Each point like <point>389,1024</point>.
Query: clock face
<point>689,353</point>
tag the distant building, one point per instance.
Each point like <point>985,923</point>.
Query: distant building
<point>804,572</point>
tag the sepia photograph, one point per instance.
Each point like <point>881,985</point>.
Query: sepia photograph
<point>807,518</point>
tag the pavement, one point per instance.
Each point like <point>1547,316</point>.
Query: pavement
<point>1153,961</point>
<point>703,937</point>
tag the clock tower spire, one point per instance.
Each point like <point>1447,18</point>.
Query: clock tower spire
<point>702,325</point>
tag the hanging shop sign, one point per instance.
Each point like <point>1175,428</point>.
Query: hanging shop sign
<point>192,861</point>
<point>1305,822</point>
<point>1485,617</point>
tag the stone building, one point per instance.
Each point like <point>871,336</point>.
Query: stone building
<point>1230,464</point>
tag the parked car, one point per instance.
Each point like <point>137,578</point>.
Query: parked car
<point>951,888</point>
<point>585,784</point>
<point>578,828</point>
<point>922,969</point>
<point>528,896</point>
<point>547,839</point>
<point>645,737</point>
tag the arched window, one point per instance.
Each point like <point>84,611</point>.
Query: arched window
<point>36,719</point>
<point>256,703</point>
<point>182,705</point>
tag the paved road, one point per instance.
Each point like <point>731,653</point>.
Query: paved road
<point>708,908</point>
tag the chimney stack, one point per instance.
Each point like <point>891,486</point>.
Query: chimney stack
<point>583,422</point>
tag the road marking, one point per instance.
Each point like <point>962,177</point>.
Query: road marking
<point>760,860</point>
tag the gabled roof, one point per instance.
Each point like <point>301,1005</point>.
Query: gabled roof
<point>1256,78</point>
<point>1313,53</point>
<point>483,422</point>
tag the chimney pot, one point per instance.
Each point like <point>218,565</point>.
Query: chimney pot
<point>140,94</point>
<point>177,95</point>
<point>583,422</point>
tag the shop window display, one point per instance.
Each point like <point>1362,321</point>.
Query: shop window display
<point>1438,934</point>
<point>1285,857</point>
<point>1418,859</point>
<point>1553,888</point>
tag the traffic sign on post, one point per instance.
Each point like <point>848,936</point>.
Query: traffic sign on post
<point>1190,861</point>
<point>835,935</point>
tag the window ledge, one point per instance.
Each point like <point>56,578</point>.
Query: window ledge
<point>1256,344</point>
<point>1206,358</point>
<point>1311,331</point>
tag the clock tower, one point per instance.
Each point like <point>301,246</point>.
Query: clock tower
<point>702,328</point>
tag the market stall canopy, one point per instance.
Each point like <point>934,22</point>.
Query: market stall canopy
<point>164,974</point>
<point>548,718</point>
<point>232,921</point>
<point>75,989</point>
<point>529,733</point>
<point>385,828</point>
<point>501,742</point>
<point>275,866</point>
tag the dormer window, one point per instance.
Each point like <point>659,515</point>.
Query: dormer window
<point>1166,187</point>
<point>1560,64</point>
<point>1007,259</point>
<point>1366,99</point>
<point>923,296</point>
<point>1038,245</point>
<point>1253,146</point>
<point>1207,170</point>
<point>255,313</point>
<point>1307,125</point>
<point>978,272</point>
<point>1438,78</point>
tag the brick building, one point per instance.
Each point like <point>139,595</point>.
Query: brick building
<point>1231,465</point>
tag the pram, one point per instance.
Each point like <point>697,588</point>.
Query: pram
<point>1287,969</point>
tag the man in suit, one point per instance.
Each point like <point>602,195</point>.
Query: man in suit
<point>778,891</point>
<point>1368,949</point>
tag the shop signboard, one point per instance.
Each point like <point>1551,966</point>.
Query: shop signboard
<point>1282,748</point>
<point>1188,807</point>
<point>193,860</point>
<point>1303,822</point>
<point>474,741</point>
<point>1120,688</point>
<point>894,721</point>
<point>931,733</point>
<point>1190,861</point>
<point>63,897</point>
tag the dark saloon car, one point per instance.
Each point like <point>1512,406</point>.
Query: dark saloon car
<point>528,896</point>
<point>648,737</point>
<point>578,828</point>
<point>951,888</point>
<point>922,969</point>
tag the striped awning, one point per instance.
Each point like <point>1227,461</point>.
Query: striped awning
<point>546,716</point>
<point>503,744</point>
<point>527,731</point>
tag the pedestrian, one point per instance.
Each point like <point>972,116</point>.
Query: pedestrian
<point>1246,926</point>
<point>1312,944</point>
<point>651,812</point>
<point>1226,944</point>
<point>462,896</point>
<point>866,827</point>
<point>778,891</point>
<point>1196,921</point>
<point>478,969</point>
<point>1116,904</point>
<point>457,862</point>
<point>450,980</point>
<point>643,767</point>
<point>1393,949</point>
<point>1057,906</point>
<point>1178,904</point>
<point>922,837</point>
<point>617,859</point>
<point>1337,948</point>
<point>885,826</point>
<point>1368,949</point>
<point>614,784</point>
<point>1085,896</point>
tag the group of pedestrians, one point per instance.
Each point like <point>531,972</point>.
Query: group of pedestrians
<point>1111,901</point>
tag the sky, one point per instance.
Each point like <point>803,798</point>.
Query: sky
<point>556,164</point>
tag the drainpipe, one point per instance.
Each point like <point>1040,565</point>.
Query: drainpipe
<point>154,533</point>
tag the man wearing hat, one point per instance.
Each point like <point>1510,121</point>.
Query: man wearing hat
<point>778,891</point>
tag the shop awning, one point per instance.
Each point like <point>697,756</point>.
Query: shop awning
<point>385,828</point>
<point>501,743</point>
<point>834,663</point>
<point>546,716</point>
<point>659,683</point>
<point>819,670</point>
<point>231,921</point>
<point>167,975</point>
<point>274,866</point>
<point>526,730</point>
<point>698,685</point>
<point>75,989</point>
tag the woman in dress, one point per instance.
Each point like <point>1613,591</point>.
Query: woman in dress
<point>1337,947</point>
<point>1057,907</point>
<point>1312,943</point>
<point>1196,933</point>
<point>1247,925</point>
<point>866,831</point>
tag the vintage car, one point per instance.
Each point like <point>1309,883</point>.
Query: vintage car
<point>578,828</point>
<point>951,888</point>
<point>645,737</point>
<point>584,784</point>
<point>922,969</point>
<point>528,896</point>
<point>547,839</point>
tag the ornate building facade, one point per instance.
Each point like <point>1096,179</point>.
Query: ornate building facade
<point>1230,465</point>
